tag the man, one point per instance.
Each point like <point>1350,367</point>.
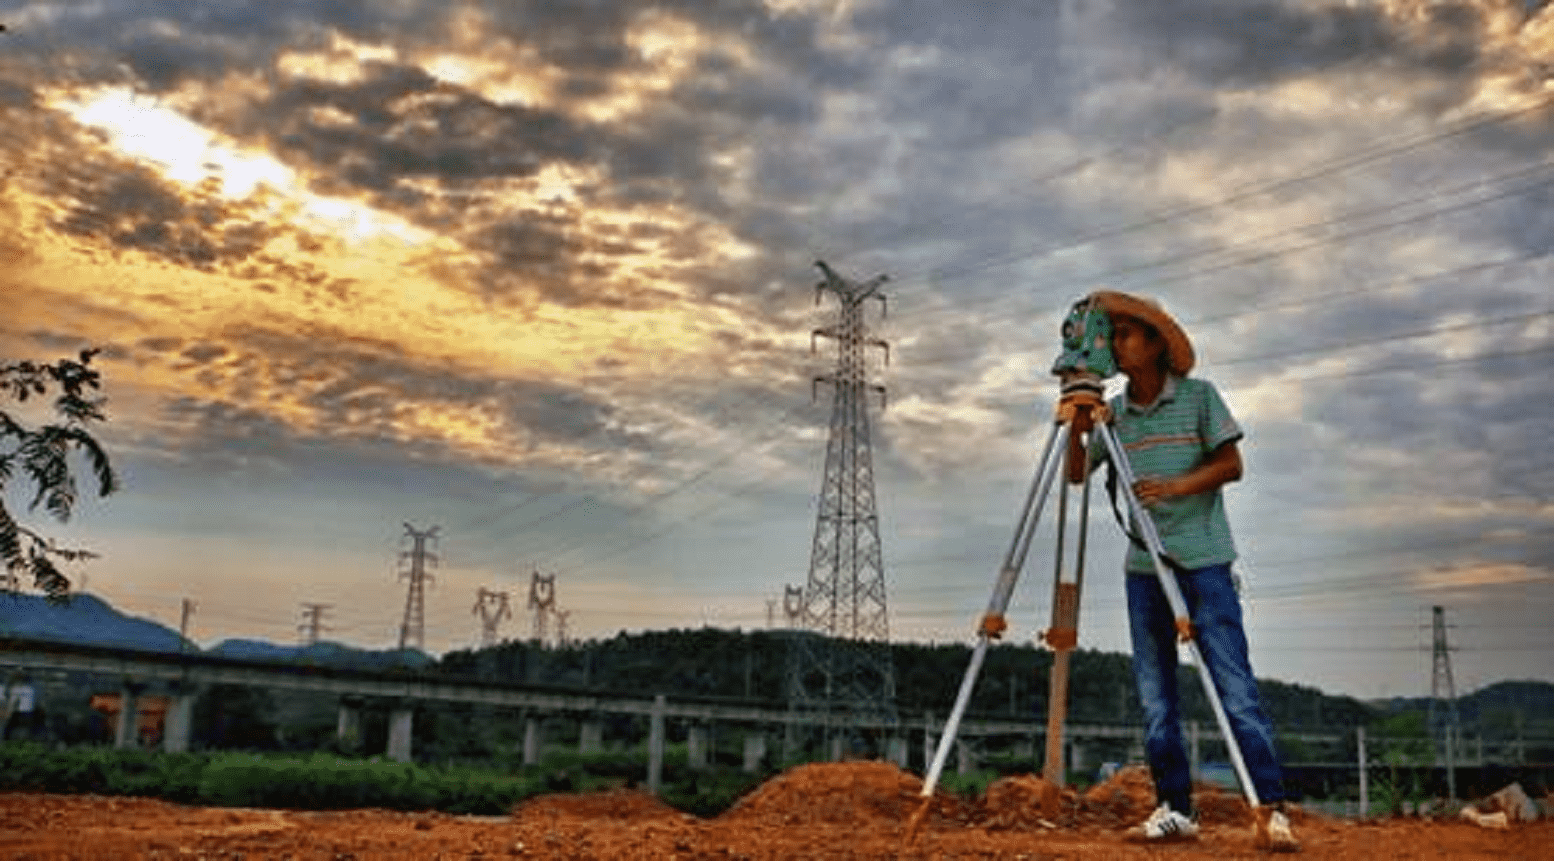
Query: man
<point>1181,443</point>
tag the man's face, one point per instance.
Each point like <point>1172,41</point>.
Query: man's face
<point>1136,346</point>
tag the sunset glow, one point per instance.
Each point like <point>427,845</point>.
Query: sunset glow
<point>544,275</point>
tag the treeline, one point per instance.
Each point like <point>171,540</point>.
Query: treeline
<point>754,665</point>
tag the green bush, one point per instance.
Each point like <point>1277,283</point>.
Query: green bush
<point>708,793</point>
<point>329,781</point>
<point>324,782</point>
<point>316,781</point>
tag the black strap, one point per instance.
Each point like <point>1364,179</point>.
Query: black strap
<point>1111,493</point>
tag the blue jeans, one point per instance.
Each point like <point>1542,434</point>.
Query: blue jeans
<point>1215,610</point>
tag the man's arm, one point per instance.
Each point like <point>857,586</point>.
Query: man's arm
<point>1222,466</point>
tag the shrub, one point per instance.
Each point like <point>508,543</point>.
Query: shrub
<point>316,781</point>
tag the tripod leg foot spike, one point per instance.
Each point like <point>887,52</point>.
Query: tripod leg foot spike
<point>915,822</point>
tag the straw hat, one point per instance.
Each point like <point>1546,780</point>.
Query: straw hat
<point>1179,353</point>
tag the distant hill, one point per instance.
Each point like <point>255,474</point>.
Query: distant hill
<point>84,618</point>
<point>1527,703</point>
<point>89,620</point>
<point>324,654</point>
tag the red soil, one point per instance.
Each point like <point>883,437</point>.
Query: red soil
<point>854,810</point>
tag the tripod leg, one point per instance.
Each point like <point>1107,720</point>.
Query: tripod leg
<point>1003,589</point>
<point>1063,636</point>
<point>1173,594</point>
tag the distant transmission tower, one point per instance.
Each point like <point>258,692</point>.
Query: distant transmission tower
<point>842,668</point>
<point>542,600</point>
<point>1443,699</point>
<point>312,622</point>
<point>492,608</point>
<point>413,629</point>
<point>793,605</point>
<point>562,637</point>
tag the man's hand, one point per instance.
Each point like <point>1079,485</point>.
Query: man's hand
<point>1223,465</point>
<point>1152,490</point>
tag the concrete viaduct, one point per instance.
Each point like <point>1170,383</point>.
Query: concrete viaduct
<point>186,674</point>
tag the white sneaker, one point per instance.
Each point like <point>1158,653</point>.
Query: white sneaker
<point>1164,825</point>
<point>1271,831</point>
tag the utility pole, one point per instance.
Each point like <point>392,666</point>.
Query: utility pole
<point>492,608</point>
<point>313,622</point>
<point>840,669</point>
<point>1443,698</point>
<point>771,612</point>
<point>183,624</point>
<point>542,600</point>
<point>413,629</point>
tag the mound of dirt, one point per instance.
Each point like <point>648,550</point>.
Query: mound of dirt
<point>1024,802</point>
<point>1121,800</point>
<point>623,805</point>
<point>864,794</point>
<point>1217,807</point>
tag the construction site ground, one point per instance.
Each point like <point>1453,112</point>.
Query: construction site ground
<point>853,810</point>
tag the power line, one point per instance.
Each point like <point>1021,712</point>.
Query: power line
<point>1056,174</point>
<point>1264,256</point>
<point>1250,191</point>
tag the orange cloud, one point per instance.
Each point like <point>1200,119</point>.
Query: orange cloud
<point>1480,575</point>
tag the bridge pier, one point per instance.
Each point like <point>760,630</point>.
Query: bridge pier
<point>929,741</point>
<point>348,726</point>
<point>1194,750</point>
<point>755,750</point>
<point>696,745</point>
<point>590,736</point>
<point>1076,756</point>
<point>897,750</point>
<point>401,724</point>
<point>533,740</point>
<point>176,726</point>
<point>127,731</point>
<point>656,745</point>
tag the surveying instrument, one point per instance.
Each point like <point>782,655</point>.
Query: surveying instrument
<point>1082,418</point>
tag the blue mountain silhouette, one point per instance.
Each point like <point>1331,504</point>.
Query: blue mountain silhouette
<point>84,618</point>
<point>89,620</point>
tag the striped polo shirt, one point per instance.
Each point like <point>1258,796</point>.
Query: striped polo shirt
<point>1167,438</point>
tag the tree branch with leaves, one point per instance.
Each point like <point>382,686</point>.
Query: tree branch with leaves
<point>43,458</point>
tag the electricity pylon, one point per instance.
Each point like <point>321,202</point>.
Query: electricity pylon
<point>492,608</point>
<point>562,637</point>
<point>840,670</point>
<point>313,622</point>
<point>413,629</point>
<point>542,600</point>
<point>1443,699</point>
<point>793,605</point>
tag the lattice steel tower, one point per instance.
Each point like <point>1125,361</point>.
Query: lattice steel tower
<point>492,607</point>
<point>412,630</point>
<point>840,666</point>
<point>542,600</point>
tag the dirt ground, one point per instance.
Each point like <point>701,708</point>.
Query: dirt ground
<point>855,810</point>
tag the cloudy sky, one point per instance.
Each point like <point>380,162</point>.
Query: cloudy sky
<point>541,275</point>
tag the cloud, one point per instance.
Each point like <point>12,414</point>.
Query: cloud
<point>1482,575</point>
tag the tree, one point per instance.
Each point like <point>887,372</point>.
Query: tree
<point>42,457</point>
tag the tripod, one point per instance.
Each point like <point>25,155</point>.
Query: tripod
<point>1081,410</point>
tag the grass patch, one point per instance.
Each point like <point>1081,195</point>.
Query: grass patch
<point>319,781</point>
